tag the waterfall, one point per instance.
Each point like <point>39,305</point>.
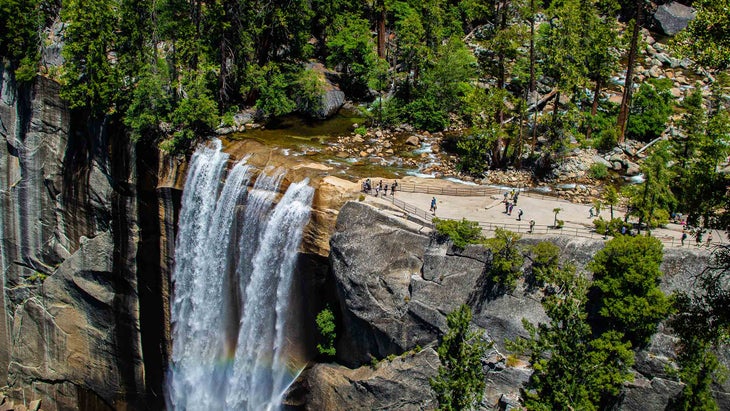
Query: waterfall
<point>234,260</point>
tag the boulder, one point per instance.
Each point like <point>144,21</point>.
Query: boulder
<point>331,99</point>
<point>673,17</point>
<point>600,160</point>
<point>413,141</point>
<point>398,384</point>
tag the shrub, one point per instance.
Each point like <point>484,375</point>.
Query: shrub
<point>559,224</point>
<point>512,360</point>
<point>598,171</point>
<point>613,226</point>
<point>361,131</point>
<point>650,109</point>
<point>326,326</point>
<point>507,258</point>
<point>461,233</point>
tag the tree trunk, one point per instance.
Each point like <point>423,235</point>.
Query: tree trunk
<point>380,12</point>
<point>594,107</point>
<point>532,71</point>
<point>623,115</point>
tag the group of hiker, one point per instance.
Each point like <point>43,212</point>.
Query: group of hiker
<point>367,187</point>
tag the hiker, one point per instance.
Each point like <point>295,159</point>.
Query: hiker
<point>377,190</point>
<point>532,225</point>
<point>684,237</point>
<point>433,205</point>
<point>392,187</point>
<point>519,214</point>
<point>709,239</point>
<point>505,197</point>
<point>386,190</point>
<point>590,212</point>
<point>514,199</point>
<point>509,212</point>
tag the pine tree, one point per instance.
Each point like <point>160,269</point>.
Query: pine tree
<point>460,382</point>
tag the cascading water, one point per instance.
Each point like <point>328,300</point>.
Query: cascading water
<point>231,294</point>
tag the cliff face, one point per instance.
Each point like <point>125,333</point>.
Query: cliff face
<point>71,306</point>
<point>395,286</point>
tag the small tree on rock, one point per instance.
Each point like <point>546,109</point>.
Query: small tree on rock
<point>460,383</point>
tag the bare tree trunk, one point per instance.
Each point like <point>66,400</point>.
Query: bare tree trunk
<point>623,115</point>
<point>381,28</point>
<point>532,71</point>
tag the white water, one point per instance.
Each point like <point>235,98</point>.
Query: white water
<point>231,294</point>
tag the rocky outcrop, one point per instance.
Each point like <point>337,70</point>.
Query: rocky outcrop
<point>673,17</point>
<point>398,384</point>
<point>395,286</point>
<point>70,221</point>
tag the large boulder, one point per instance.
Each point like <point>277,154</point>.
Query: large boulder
<point>394,284</point>
<point>673,17</point>
<point>398,384</point>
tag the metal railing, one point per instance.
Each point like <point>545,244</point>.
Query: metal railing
<point>448,191</point>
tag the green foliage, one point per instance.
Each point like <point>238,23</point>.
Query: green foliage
<point>598,171</point>
<point>460,383</point>
<point>149,105</point>
<point>545,258</point>
<point>20,22</point>
<point>326,326</point>
<point>273,97</point>
<point>573,369</point>
<point>556,211</point>
<point>309,87</point>
<point>37,277</point>
<point>197,110</point>
<point>90,80</point>
<point>361,131</point>
<point>707,38</point>
<point>648,199</point>
<point>627,297</point>
<point>706,125</point>
<point>651,106</point>
<point>611,227</point>
<point>352,49</point>
<point>611,197</point>
<point>461,233</point>
<point>507,258</point>
<point>475,151</point>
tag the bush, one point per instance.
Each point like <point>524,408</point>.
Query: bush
<point>650,109</point>
<point>361,131</point>
<point>326,326</point>
<point>598,171</point>
<point>613,226</point>
<point>461,233</point>
<point>507,258</point>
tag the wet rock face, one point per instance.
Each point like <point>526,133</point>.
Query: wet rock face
<point>69,218</point>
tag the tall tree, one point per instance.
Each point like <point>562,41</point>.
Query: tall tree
<point>572,368</point>
<point>639,11</point>
<point>651,200</point>
<point>90,80</point>
<point>625,295</point>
